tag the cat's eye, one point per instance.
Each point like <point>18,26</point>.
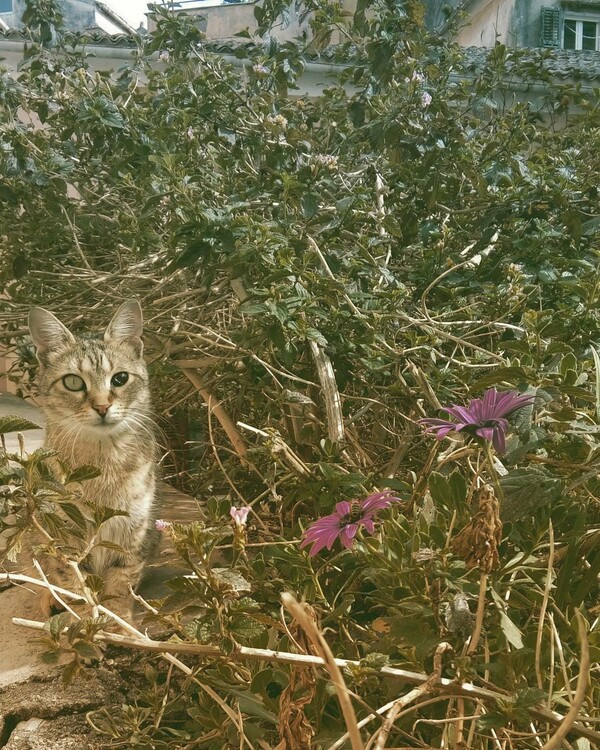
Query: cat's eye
<point>119,379</point>
<point>73,383</point>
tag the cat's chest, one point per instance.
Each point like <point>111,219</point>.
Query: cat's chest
<point>125,488</point>
<point>126,478</point>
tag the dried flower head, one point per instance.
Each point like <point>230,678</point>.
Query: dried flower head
<point>344,523</point>
<point>483,417</point>
<point>478,542</point>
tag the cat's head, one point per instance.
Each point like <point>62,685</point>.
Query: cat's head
<point>91,386</point>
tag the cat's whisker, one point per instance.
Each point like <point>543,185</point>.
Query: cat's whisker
<point>138,423</point>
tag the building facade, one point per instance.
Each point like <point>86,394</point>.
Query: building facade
<point>559,24</point>
<point>78,15</point>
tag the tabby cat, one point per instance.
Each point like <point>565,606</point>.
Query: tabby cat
<point>94,392</point>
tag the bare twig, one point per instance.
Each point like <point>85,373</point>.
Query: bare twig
<point>548,585</point>
<point>331,275</point>
<point>54,591</point>
<point>138,640</point>
<point>316,638</point>
<point>280,449</point>
<point>572,714</point>
<point>76,240</point>
<point>86,591</point>
<point>331,395</point>
<point>473,643</point>
<point>223,418</point>
<point>400,703</point>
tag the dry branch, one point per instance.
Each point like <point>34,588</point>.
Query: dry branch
<point>223,418</point>
<point>331,395</point>
<point>568,722</point>
<point>316,637</point>
<point>168,649</point>
<point>428,686</point>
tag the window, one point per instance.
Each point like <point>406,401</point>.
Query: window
<point>562,27</point>
<point>581,33</point>
<point>6,6</point>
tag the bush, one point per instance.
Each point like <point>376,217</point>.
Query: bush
<point>329,271</point>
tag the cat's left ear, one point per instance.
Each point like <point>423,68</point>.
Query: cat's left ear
<point>126,325</point>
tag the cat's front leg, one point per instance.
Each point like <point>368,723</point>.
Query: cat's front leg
<point>118,582</point>
<point>61,576</point>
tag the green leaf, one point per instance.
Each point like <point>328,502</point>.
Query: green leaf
<point>526,490</point>
<point>511,631</point>
<point>12,423</point>
<point>74,513</point>
<point>246,629</point>
<point>492,720</point>
<point>597,369</point>
<point>254,706</point>
<point>509,375</point>
<point>70,671</point>
<point>57,624</point>
<point>310,204</point>
<point>447,492</point>
<point>86,650</point>
<point>83,473</point>
<point>41,454</point>
<point>102,513</point>
<point>8,195</point>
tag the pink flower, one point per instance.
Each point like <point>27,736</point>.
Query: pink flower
<point>483,417</point>
<point>348,517</point>
<point>161,525</point>
<point>239,515</point>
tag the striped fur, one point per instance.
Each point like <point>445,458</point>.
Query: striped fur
<point>106,423</point>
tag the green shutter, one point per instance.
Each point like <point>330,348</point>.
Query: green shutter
<point>551,22</point>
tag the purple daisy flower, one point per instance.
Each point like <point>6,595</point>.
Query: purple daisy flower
<point>483,417</point>
<point>348,517</point>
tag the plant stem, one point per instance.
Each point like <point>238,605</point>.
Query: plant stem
<point>480,614</point>
<point>493,473</point>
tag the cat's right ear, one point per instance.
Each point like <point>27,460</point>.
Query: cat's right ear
<point>48,333</point>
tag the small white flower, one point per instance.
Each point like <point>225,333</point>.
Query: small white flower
<point>260,70</point>
<point>425,99</point>
<point>164,56</point>
<point>278,120</point>
<point>161,525</point>
<point>327,160</point>
<point>239,515</point>
<point>416,77</point>
<point>190,132</point>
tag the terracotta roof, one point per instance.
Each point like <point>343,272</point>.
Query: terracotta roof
<point>574,65</point>
<point>556,63</point>
<point>93,37</point>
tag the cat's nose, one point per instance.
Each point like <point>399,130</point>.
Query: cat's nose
<point>102,409</point>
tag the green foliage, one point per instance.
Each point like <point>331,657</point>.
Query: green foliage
<point>423,231</point>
